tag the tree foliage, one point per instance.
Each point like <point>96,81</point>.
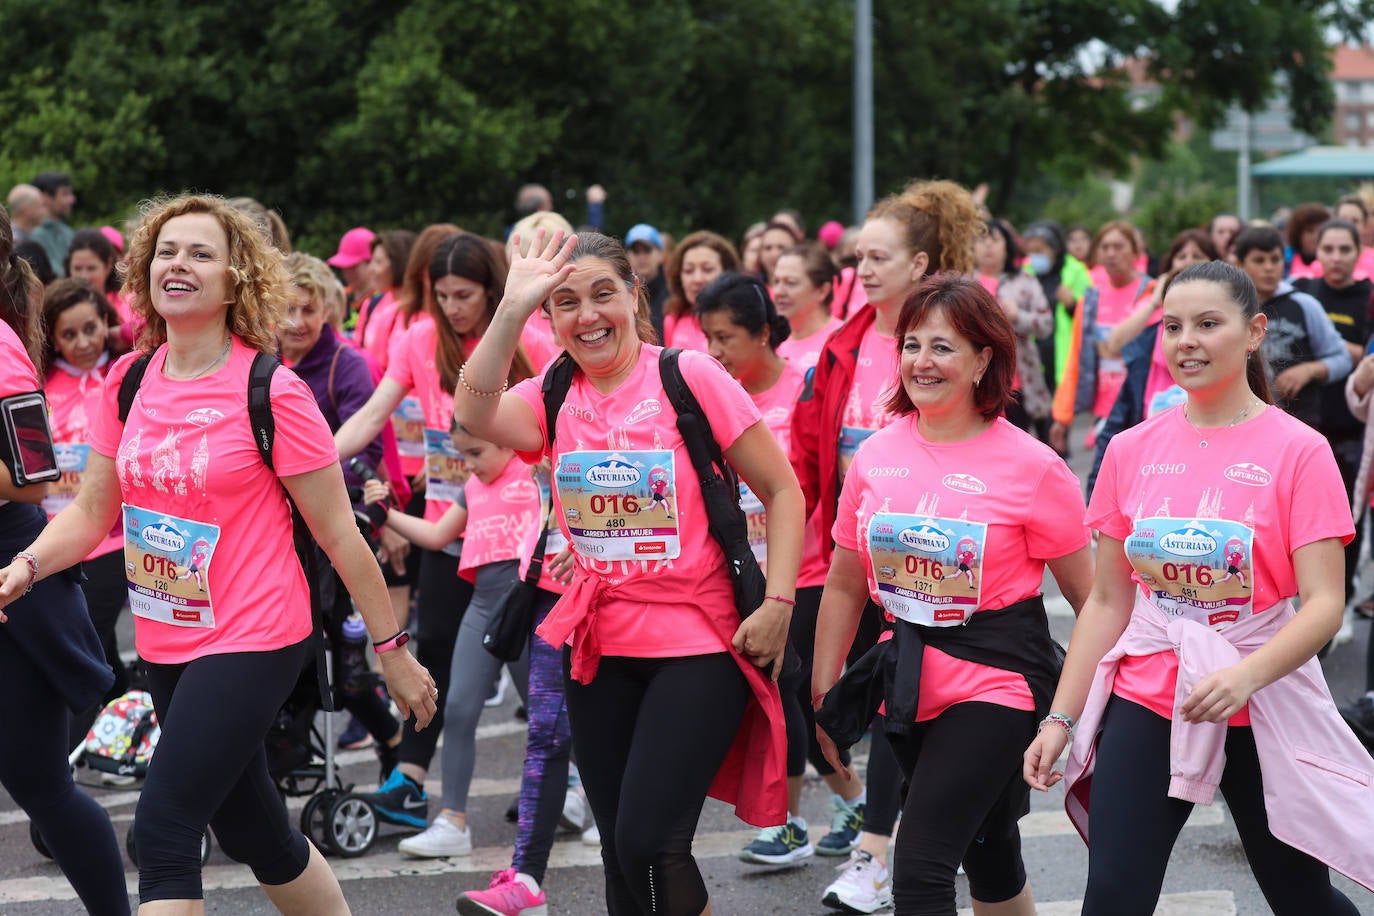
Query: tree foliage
<point>691,112</point>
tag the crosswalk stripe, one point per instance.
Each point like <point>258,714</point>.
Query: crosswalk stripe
<point>1203,903</point>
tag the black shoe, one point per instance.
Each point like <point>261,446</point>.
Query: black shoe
<point>513,812</point>
<point>1360,717</point>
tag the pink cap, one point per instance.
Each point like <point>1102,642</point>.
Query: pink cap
<point>354,248</point>
<point>830,233</point>
<point>111,233</point>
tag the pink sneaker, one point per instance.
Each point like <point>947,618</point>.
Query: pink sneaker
<point>507,896</point>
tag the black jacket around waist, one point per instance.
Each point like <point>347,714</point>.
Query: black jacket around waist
<point>1014,638</point>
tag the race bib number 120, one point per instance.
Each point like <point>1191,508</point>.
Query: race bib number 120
<point>167,562</point>
<point>620,505</point>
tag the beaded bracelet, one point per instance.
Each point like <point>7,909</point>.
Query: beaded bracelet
<point>1057,718</point>
<point>787,601</point>
<point>463,380</point>
<point>32,562</point>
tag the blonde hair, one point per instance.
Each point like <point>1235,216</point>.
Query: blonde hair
<point>258,284</point>
<point>314,276</point>
<point>940,218</point>
<point>547,220</point>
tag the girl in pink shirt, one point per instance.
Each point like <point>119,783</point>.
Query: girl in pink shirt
<point>667,693</point>
<point>81,343</point>
<point>377,318</point>
<point>183,467</point>
<point>948,518</point>
<point>1212,517</point>
<point>696,261</point>
<point>746,335</point>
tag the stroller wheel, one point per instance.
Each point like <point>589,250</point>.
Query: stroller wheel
<point>130,847</point>
<point>352,825</point>
<point>315,821</point>
<point>37,839</point>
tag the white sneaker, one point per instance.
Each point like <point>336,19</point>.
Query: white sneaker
<point>118,780</point>
<point>499,697</point>
<point>864,886</point>
<point>439,840</point>
<point>592,835</point>
<point>574,811</point>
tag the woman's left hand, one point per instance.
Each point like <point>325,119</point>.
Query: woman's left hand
<point>1218,696</point>
<point>410,685</point>
<point>762,638</point>
<point>561,566</point>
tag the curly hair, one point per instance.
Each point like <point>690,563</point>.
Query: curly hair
<point>677,303</point>
<point>939,218</point>
<point>258,285</point>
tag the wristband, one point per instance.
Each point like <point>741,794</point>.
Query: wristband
<point>395,642</point>
<point>32,563</point>
<point>1057,718</point>
<point>787,601</point>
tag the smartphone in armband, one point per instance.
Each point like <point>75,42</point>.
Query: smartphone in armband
<point>27,438</point>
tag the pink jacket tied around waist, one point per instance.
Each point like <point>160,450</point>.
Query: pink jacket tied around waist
<point>1318,778</point>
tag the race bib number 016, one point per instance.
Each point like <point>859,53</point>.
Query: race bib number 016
<point>167,563</point>
<point>408,422</point>
<point>620,505</point>
<point>928,570</point>
<point>1200,569</point>
<point>445,472</point>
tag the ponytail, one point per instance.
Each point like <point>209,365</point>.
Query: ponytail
<point>17,279</point>
<point>1257,375</point>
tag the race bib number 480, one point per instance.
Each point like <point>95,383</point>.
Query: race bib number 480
<point>167,563</point>
<point>928,570</point>
<point>1200,569</point>
<point>620,505</point>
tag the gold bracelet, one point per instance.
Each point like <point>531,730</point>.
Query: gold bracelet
<point>463,380</point>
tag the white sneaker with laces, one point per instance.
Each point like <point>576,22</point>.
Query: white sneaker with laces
<point>574,811</point>
<point>439,840</point>
<point>864,886</point>
<point>499,697</point>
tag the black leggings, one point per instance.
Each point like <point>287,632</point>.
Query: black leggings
<point>649,735</point>
<point>106,589</point>
<point>966,795</point>
<point>796,691</point>
<point>439,609</point>
<point>1134,824</point>
<point>35,772</point>
<point>210,767</point>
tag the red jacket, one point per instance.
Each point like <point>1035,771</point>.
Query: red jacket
<point>816,421</point>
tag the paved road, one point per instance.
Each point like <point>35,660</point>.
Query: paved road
<point>1208,875</point>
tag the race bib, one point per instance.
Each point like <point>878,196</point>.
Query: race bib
<point>445,472</point>
<point>756,520</point>
<point>167,562</point>
<point>1200,569</point>
<point>620,505</point>
<point>408,422</point>
<point>1163,400</point>
<point>71,461</point>
<point>928,570</point>
<point>851,437</point>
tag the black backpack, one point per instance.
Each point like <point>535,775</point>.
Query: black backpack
<point>264,428</point>
<point>719,482</point>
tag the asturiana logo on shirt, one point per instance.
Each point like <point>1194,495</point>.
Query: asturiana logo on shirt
<point>1250,474</point>
<point>649,407</point>
<point>964,483</point>
<point>925,539</point>
<point>164,537</point>
<point>612,474</point>
<point>1188,542</point>
<point>204,416</point>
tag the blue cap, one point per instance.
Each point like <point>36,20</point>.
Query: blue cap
<point>643,232</point>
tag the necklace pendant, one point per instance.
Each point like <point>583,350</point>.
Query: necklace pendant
<point>1202,443</point>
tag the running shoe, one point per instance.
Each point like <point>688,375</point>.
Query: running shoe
<point>574,814</point>
<point>439,840</point>
<point>592,835</point>
<point>778,845</point>
<point>401,801</point>
<point>498,690</point>
<point>863,887</point>
<point>355,737</point>
<point>510,894</point>
<point>845,827</point>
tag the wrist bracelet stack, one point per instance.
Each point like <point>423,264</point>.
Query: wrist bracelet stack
<point>1060,719</point>
<point>32,562</point>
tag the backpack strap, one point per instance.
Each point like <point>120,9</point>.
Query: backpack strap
<point>334,364</point>
<point>128,388</point>
<point>557,381</point>
<point>686,405</point>
<point>260,405</point>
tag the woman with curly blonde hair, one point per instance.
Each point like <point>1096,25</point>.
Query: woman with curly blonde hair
<point>220,602</point>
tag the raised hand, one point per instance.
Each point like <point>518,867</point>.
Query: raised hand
<point>533,276</point>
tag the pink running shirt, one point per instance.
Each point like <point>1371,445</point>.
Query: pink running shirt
<point>17,375</point>
<point>775,406</point>
<point>377,323</point>
<point>415,370</point>
<point>637,418</point>
<point>875,378</point>
<point>186,454</point>
<point>805,352</point>
<point>73,400</point>
<point>500,516</point>
<point>995,508</point>
<point>684,332</point>
<point>1272,476</point>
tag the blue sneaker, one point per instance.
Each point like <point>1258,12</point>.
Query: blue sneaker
<point>778,845</point>
<point>401,801</point>
<point>845,828</point>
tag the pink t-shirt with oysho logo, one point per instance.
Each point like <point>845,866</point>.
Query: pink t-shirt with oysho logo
<point>969,527</point>
<point>211,522</point>
<point>73,400</point>
<point>413,367</point>
<point>684,332</point>
<point>1210,531</point>
<point>805,352</point>
<point>17,375</point>
<point>628,492</point>
<point>501,515</point>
